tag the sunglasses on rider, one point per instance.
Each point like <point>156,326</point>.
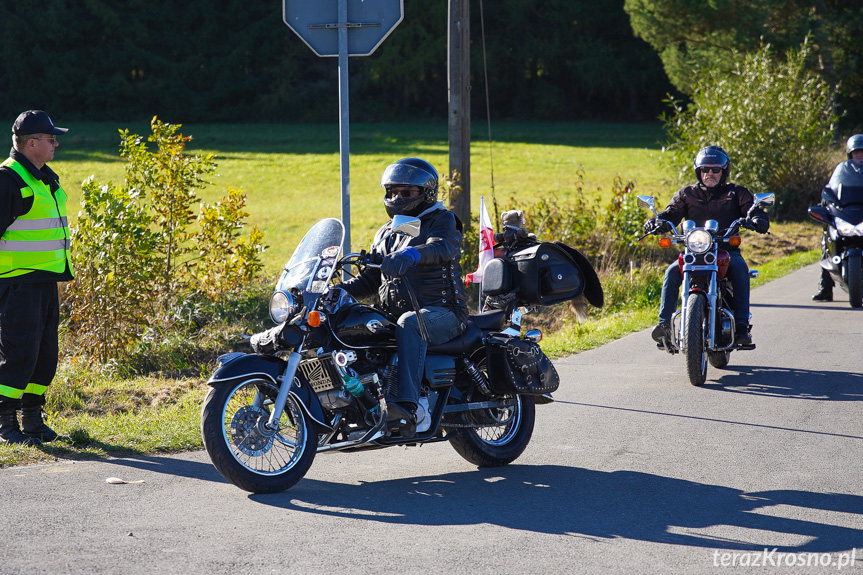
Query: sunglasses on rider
<point>403,192</point>
<point>711,170</point>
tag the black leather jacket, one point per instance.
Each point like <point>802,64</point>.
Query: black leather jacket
<point>436,279</point>
<point>723,203</point>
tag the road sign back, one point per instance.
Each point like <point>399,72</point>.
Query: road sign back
<point>317,24</point>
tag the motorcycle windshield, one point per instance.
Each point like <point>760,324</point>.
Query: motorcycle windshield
<point>314,259</point>
<point>847,183</point>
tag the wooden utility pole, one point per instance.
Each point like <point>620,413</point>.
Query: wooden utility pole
<point>458,84</point>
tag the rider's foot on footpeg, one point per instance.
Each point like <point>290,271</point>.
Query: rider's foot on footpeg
<point>661,335</point>
<point>743,339</point>
<point>403,418</point>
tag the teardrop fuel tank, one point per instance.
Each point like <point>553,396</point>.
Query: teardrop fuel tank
<point>359,325</point>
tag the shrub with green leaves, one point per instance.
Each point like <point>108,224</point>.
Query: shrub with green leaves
<point>774,118</point>
<point>114,263</point>
<point>138,260</point>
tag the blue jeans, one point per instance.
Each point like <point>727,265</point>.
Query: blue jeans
<point>738,275</point>
<point>442,325</point>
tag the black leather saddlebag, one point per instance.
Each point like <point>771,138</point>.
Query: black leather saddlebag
<point>519,366</point>
<point>542,274</point>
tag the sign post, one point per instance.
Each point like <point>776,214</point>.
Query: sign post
<point>360,26</point>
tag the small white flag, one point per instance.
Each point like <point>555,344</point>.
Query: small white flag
<point>486,244</point>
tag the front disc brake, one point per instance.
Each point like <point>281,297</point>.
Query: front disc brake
<point>249,432</point>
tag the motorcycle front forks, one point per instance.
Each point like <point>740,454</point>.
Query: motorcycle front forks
<point>712,297</point>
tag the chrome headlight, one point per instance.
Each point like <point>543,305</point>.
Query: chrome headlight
<point>699,241</point>
<point>282,306</point>
<point>846,229</point>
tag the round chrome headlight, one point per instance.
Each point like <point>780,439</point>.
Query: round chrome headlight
<point>699,241</point>
<point>282,306</point>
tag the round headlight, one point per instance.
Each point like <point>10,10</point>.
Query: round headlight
<point>699,241</point>
<point>282,306</point>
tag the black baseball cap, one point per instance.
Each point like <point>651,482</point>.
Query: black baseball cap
<point>35,122</point>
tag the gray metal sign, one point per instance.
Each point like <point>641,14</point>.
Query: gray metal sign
<point>317,22</point>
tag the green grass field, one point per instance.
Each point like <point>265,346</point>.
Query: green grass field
<point>291,175</point>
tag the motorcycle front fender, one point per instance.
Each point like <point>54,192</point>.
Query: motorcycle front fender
<point>245,365</point>
<point>242,367</point>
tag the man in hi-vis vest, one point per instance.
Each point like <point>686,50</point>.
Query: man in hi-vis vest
<point>34,256</point>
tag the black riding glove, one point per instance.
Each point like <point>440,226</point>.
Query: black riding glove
<point>268,341</point>
<point>759,225</point>
<point>656,226</point>
<point>396,264</point>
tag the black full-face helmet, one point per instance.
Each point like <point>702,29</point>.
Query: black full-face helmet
<point>410,172</point>
<point>712,156</point>
<point>855,142</point>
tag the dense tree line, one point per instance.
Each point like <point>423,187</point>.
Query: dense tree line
<point>236,61</point>
<point>692,36</point>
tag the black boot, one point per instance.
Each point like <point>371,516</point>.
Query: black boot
<point>34,426</point>
<point>824,294</point>
<point>403,417</point>
<point>742,337</point>
<point>661,334</point>
<point>9,430</point>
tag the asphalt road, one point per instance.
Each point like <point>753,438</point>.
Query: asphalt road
<point>632,470</point>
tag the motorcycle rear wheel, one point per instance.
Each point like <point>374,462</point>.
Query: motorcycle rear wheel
<point>855,289</point>
<point>694,330</point>
<point>494,445</point>
<point>243,450</point>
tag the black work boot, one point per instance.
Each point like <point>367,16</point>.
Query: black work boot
<point>824,294</point>
<point>403,417</point>
<point>662,334</point>
<point>9,430</point>
<point>34,426</point>
<point>742,337</point>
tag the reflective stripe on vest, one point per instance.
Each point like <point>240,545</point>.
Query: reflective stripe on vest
<point>39,239</point>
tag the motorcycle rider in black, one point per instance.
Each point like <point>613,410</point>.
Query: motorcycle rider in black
<point>712,198</point>
<point>430,263</point>
<point>853,165</point>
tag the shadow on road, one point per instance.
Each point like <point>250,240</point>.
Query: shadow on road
<point>793,383</point>
<point>833,306</point>
<point>171,466</point>
<point>592,504</point>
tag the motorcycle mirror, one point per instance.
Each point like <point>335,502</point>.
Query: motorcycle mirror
<point>646,202</point>
<point>407,225</point>
<point>765,199</point>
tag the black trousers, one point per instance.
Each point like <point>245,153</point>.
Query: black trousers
<point>29,348</point>
<point>826,281</point>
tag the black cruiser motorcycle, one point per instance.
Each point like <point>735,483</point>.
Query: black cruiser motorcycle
<point>703,327</point>
<point>318,381</point>
<point>841,214</point>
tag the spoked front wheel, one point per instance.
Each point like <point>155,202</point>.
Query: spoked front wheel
<point>693,335</point>
<point>242,446</point>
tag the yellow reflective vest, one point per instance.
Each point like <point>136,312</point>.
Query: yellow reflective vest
<point>39,239</point>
